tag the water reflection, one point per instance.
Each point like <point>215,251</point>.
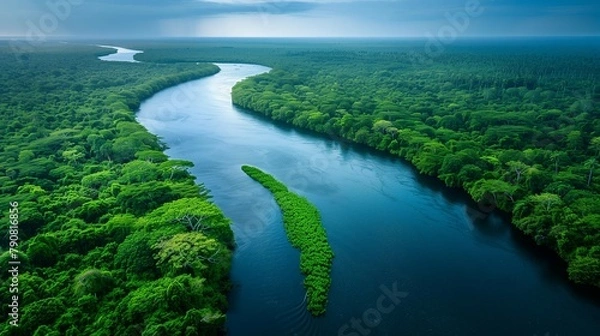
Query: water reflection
<point>122,54</point>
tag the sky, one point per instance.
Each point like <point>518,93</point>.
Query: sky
<point>298,18</point>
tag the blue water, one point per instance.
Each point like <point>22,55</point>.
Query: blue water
<point>455,269</point>
<point>121,54</point>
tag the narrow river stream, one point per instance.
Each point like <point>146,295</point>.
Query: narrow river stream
<point>411,256</point>
<point>122,54</point>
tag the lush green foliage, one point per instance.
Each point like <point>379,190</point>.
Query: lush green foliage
<point>115,238</point>
<point>104,213</point>
<point>305,231</point>
<point>515,123</point>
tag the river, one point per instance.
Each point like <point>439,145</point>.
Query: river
<point>412,257</point>
<point>121,54</point>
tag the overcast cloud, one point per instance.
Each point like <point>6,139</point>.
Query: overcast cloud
<point>385,18</point>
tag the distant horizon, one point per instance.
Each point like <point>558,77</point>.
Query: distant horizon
<point>447,19</point>
<point>143,38</point>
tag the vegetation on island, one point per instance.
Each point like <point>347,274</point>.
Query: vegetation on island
<point>305,231</point>
<point>114,238</point>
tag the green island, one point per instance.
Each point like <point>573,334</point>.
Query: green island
<point>114,238</point>
<point>305,231</point>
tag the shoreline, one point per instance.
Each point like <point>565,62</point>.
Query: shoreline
<point>121,54</point>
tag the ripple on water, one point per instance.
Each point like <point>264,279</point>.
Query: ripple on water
<point>296,320</point>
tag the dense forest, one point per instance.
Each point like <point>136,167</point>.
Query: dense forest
<point>515,123</point>
<point>114,238</point>
<point>305,231</point>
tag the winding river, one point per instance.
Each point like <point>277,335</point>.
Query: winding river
<point>412,257</point>
<point>122,54</point>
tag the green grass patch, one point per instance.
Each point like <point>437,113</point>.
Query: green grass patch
<point>305,231</point>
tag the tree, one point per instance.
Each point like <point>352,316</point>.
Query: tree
<point>123,149</point>
<point>193,214</point>
<point>536,215</point>
<point>595,146</point>
<point>93,281</point>
<point>491,160</point>
<point>469,173</point>
<point>430,158</point>
<point>175,169</point>
<point>73,156</point>
<point>546,200</point>
<point>136,257</point>
<point>26,155</point>
<point>585,205</point>
<point>98,180</point>
<point>482,189</point>
<point>362,136</point>
<point>382,126</point>
<point>138,171</point>
<point>591,165</point>
<point>139,198</point>
<point>585,270</point>
<point>574,140</point>
<point>151,156</point>
<point>536,178</point>
<point>42,250</point>
<point>192,253</point>
<point>558,157</point>
<point>518,168</point>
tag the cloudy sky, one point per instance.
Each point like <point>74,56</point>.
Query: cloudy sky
<point>279,18</point>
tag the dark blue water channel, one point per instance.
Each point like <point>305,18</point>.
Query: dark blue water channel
<point>411,256</point>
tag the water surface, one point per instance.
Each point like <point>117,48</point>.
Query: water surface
<point>388,227</point>
<point>122,54</point>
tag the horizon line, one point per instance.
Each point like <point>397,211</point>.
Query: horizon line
<point>57,37</point>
